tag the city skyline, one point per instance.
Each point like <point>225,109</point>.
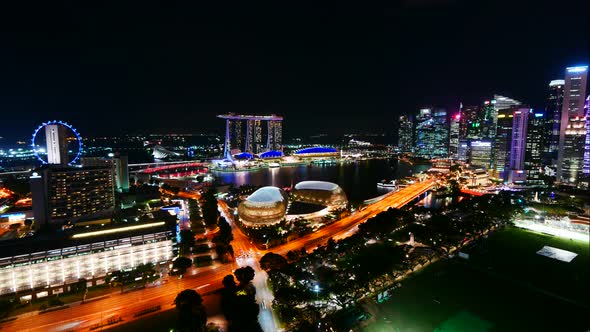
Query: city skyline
<point>386,62</point>
<point>405,166</point>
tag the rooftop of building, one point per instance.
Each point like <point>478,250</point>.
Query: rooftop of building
<point>317,185</point>
<point>77,236</point>
<point>267,195</point>
<point>316,149</point>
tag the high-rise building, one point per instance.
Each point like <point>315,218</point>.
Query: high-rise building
<point>573,108</point>
<point>480,153</point>
<point>57,144</point>
<point>501,157</point>
<point>454,136</point>
<point>275,136</point>
<point>69,194</point>
<point>120,167</point>
<point>470,123</point>
<point>462,150</point>
<point>518,145</point>
<point>536,142</point>
<point>488,122</point>
<point>432,133</point>
<point>573,150</point>
<point>256,138</point>
<point>586,167</point>
<point>499,103</point>
<point>406,134</point>
<point>553,115</point>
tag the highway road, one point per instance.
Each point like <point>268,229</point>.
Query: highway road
<point>83,316</point>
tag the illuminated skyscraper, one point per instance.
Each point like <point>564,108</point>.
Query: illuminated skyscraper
<point>68,194</point>
<point>535,145</point>
<point>489,121</point>
<point>57,144</point>
<point>553,115</point>
<point>432,133</point>
<point>501,158</point>
<point>572,110</point>
<point>406,133</point>
<point>499,103</point>
<point>518,145</point>
<point>586,168</point>
<point>119,165</point>
<point>257,137</point>
<point>573,150</point>
<point>480,153</point>
<point>454,136</point>
<point>275,136</point>
<point>470,123</point>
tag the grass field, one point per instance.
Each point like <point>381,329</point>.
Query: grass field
<point>505,286</point>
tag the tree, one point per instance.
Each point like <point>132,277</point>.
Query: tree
<point>79,286</point>
<point>191,312</point>
<point>187,241</point>
<point>225,235</point>
<point>238,302</point>
<point>221,250</point>
<point>244,275</point>
<point>209,207</point>
<point>228,294</point>
<point>272,261</point>
<point>181,263</point>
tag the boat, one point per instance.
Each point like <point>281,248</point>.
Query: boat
<point>386,184</point>
<point>274,165</point>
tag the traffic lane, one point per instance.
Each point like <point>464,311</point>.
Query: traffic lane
<point>123,304</point>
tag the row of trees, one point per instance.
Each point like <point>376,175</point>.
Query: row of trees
<point>340,273</point>
<point>238,303</point>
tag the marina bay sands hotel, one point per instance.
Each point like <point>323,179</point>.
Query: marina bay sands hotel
<point>254,134</point>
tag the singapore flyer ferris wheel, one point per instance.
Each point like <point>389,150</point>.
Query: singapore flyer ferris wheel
<point>63,143</point>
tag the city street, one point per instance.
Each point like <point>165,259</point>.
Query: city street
<point>83,316</point>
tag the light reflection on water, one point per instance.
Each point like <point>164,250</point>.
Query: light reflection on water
<point>358,179</point>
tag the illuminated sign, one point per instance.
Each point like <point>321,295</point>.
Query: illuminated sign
<point>538,115</point>
<point>117,230</point>
<point>577,69</point>
<point>14,217</point>
<point>480,144</point>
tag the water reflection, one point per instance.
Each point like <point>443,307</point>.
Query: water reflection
<point>358,179</point>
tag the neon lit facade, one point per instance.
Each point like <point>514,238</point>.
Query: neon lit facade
<point>518,145</point>
<point>271,154</point>
<point>573,108</point>
<point>586,169</point>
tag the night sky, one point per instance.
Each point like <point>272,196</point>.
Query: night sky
<point>326,69</point>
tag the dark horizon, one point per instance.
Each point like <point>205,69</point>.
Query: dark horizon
<point>138,69</point>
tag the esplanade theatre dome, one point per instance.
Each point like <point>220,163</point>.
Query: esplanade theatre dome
<point>266,206</point>
<point>320,193</point>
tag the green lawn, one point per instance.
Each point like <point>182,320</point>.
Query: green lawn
<point>513,253</point>
<point>456,295</point>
